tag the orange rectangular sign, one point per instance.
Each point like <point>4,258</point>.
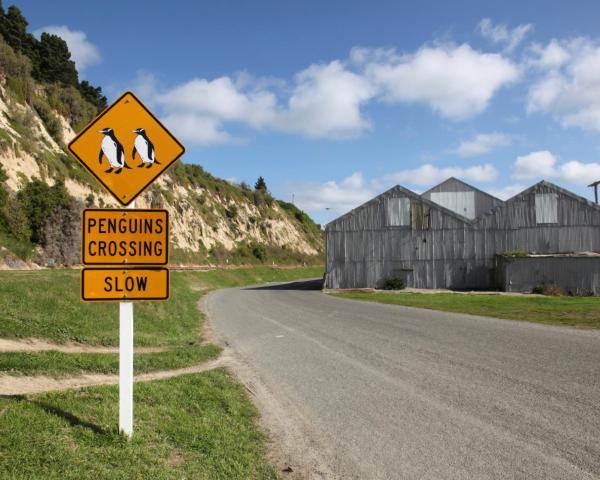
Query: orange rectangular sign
<point>125,236</point>
<point>124,284</point>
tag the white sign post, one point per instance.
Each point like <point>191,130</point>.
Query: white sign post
<point>126,126</point>
<point>126,365</point>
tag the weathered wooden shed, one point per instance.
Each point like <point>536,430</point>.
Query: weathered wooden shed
<point>405,235</point>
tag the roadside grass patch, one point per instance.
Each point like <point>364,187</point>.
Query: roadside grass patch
<point>198,426</point>
<point>570,311</point>
<point>59,364</point>
<point>45,304</point>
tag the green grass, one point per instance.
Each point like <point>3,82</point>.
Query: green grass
<point>45,304</point>
<point>23,249</point>
<point>57,364</point>
<point>571,311</point>
<point>197,426</point>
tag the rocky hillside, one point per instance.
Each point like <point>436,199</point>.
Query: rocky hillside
<point>212,221</point>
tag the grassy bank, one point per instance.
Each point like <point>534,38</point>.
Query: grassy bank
<point>45,304</point>
<point>571,311</point>
<point>195,426</point>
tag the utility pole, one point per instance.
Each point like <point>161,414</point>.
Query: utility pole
<point>595,187</point>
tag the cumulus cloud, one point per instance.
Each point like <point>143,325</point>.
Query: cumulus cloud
<point>504,193</point>
<point>428,174</point>
<point>456,81</point>
<point>544,164</point>
<point>501,34</point>
<point>569,85</point>
<point>354,190</point>
<point>326,102</point>
<point>83,52</point>
<point>482,143</point>
<point>339,197</point>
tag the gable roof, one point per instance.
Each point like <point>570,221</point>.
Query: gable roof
<point>406,192</point>
<point>465,184</point>
<point>533,188</point>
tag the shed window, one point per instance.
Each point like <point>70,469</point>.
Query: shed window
<point>397,212</point>
<point>462,203</point>
<point>546,208</point>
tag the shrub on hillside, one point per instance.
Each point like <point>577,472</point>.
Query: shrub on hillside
<point>51,121</point>
<point>39,202</point>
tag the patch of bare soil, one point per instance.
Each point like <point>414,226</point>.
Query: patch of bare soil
<point>293,448</point>
<point>24,385</point>
<point>37,345</point>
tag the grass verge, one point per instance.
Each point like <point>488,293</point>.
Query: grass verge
<point>45,304</point>
<point>571,311</point>
<point>197,426</point>
<point>58,364</point>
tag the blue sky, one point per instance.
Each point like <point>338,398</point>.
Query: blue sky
<point>333,102</point>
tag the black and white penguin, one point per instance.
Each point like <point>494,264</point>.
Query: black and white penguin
<point>145,148</point>
<point>113,150</point>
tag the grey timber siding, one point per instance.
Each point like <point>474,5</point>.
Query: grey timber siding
<point>441,249</point>
<point>579,275</point>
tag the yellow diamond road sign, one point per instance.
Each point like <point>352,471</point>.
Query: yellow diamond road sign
<point>126,148</point>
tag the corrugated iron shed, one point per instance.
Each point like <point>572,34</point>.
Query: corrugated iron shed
<point>439,248</point>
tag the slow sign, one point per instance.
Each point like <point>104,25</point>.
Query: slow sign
<point>136,283</point>
<point>132,236</point>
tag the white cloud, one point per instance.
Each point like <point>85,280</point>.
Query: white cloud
<point>552,55</point>
<point>339,197</point>
<point>482,143</point>
<point>534,165</point>
<point>569,87</point>
<point>504,193</point>
<point>455,81</point>
<point>197,129</point>
<point>579,173</point>
<point>543,164</point>
<point>501,34</point>
<point>427,175</point>
<point>326,102</point>
<point>83,52</point>
<point>221,99</point>
<point>354,190</point>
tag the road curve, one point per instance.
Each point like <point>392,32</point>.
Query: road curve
<point>396,392</point>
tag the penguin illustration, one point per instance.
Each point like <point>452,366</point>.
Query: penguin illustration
<point>145,148</point>
<point>113,150</point>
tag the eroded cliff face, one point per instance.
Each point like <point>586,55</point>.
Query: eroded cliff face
<point>204,214</point>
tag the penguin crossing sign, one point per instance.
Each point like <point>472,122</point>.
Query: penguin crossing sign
<point>129,236</point>
<point>126,148</point>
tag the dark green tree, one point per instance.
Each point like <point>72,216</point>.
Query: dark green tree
<point>39,202</point>
<point>55,61</point>
<point>13,27</point>
<point>93,95</point>
<point>260,184</point>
